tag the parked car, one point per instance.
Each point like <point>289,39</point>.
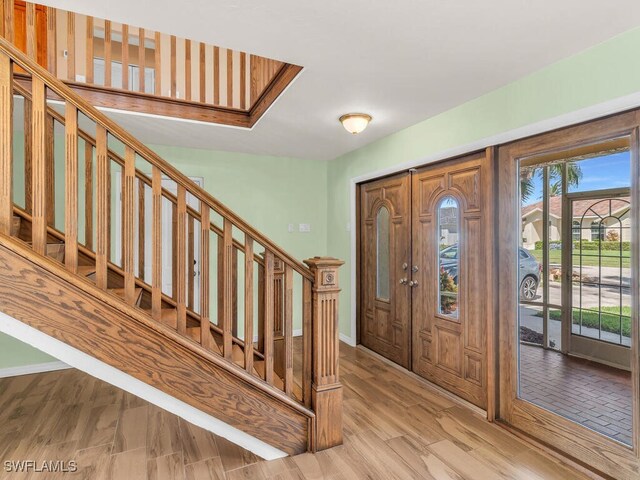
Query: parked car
<point>530,270</point>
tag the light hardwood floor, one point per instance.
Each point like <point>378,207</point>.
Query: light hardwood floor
<point>395,425</point>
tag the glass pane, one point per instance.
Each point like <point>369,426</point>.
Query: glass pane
<point>585,375</point>
<point>382,254</point>
<point>448,260</point>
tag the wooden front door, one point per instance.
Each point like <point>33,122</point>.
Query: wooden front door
<point>385,226</point>
<point>451,285</point>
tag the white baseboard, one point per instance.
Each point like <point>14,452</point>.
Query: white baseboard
<point>94,367</point>
<point>347,339</point>
<point>34,368</point>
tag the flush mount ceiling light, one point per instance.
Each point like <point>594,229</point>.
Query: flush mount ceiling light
<point>355,122</point>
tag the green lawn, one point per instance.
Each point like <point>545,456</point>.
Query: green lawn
<point>610,258</point>
<point>610,319</point>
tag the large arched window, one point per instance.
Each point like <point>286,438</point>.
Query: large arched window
<point>382,253</point>
<point>448,256</point>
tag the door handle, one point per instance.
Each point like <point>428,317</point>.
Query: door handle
<point>403,281</point>
<point>413,283</point>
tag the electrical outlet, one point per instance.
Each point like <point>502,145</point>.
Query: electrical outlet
<point>304,227</point>
<point>348,226</point>
<point>290,228</point>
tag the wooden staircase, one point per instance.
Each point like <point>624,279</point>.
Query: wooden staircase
<point>59,274</point>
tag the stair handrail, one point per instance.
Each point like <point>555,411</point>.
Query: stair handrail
<point>91,112</point>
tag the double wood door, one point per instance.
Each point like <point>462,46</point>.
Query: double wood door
<point>425,286</point>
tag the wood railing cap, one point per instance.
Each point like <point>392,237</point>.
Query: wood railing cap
<point>320,262</point>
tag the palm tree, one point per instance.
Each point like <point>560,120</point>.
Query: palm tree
<point>527,176</point>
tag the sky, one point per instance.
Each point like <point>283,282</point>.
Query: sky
<point>599,173</point>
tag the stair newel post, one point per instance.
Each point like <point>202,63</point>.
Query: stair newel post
<point>6,144</point>
<point>326,392</point>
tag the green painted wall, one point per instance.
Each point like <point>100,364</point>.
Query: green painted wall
<point>604,72</point>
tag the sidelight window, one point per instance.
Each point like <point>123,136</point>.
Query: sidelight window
<point>448,257</point>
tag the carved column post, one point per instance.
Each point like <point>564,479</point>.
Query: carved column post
<point>326,392</point>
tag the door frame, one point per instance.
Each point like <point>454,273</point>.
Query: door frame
<point>491,157</point>
<point>569,339</point>
<point>574,440</point>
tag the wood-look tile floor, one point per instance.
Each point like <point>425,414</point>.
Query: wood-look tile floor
<point>395,426</point>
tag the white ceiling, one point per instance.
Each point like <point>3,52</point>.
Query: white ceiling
<point>401,61</point>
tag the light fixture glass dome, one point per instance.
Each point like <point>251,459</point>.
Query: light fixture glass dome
<point>355,122</point>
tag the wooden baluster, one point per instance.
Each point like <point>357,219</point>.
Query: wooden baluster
<point>71,46</point>
<point>202,70</point>
<point>71,188</point>
<point>227,288</point>
<point>268,316</point>
<point>88,195</point>
<point>326,396</point>
<point>216,75</point>
<point>229,78</point>
<point>173,73</point>
<point>191,269</point>
<point>248,303</point>
<point>243,80</point>
<point>28,155</point>
<point>6,144</point>
<point>142,60</point>
<point>2,19</point>
<point>102,207</point>
<point>179,247</point>
<point>50,169</point>
<point>107,53</point>
<point>157,65</point>
<point>156,259</point>
<point>288,329</point>
<point>31,30</point>
<point>9,27</point>
<point>52,41</point>
<point>125,57</point>
<point>307,342</point>
<point>278,318</point>
<point>39,179</point>
<point>89,51</point>
<point>128,225</point>
<point>206,340</point>
<point>261,304</point>
<point>187,69</point>
<point>141,228</point>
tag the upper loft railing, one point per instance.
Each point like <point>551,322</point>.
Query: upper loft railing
<point>261,292</point>
<point>130,68</point>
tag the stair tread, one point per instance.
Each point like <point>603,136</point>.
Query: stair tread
<point>86,270</point>
<point>258,369</point>
<point>120,293</point>
<point>15,226</point>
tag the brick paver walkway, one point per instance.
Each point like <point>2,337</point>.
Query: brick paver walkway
<point>589,393</point>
